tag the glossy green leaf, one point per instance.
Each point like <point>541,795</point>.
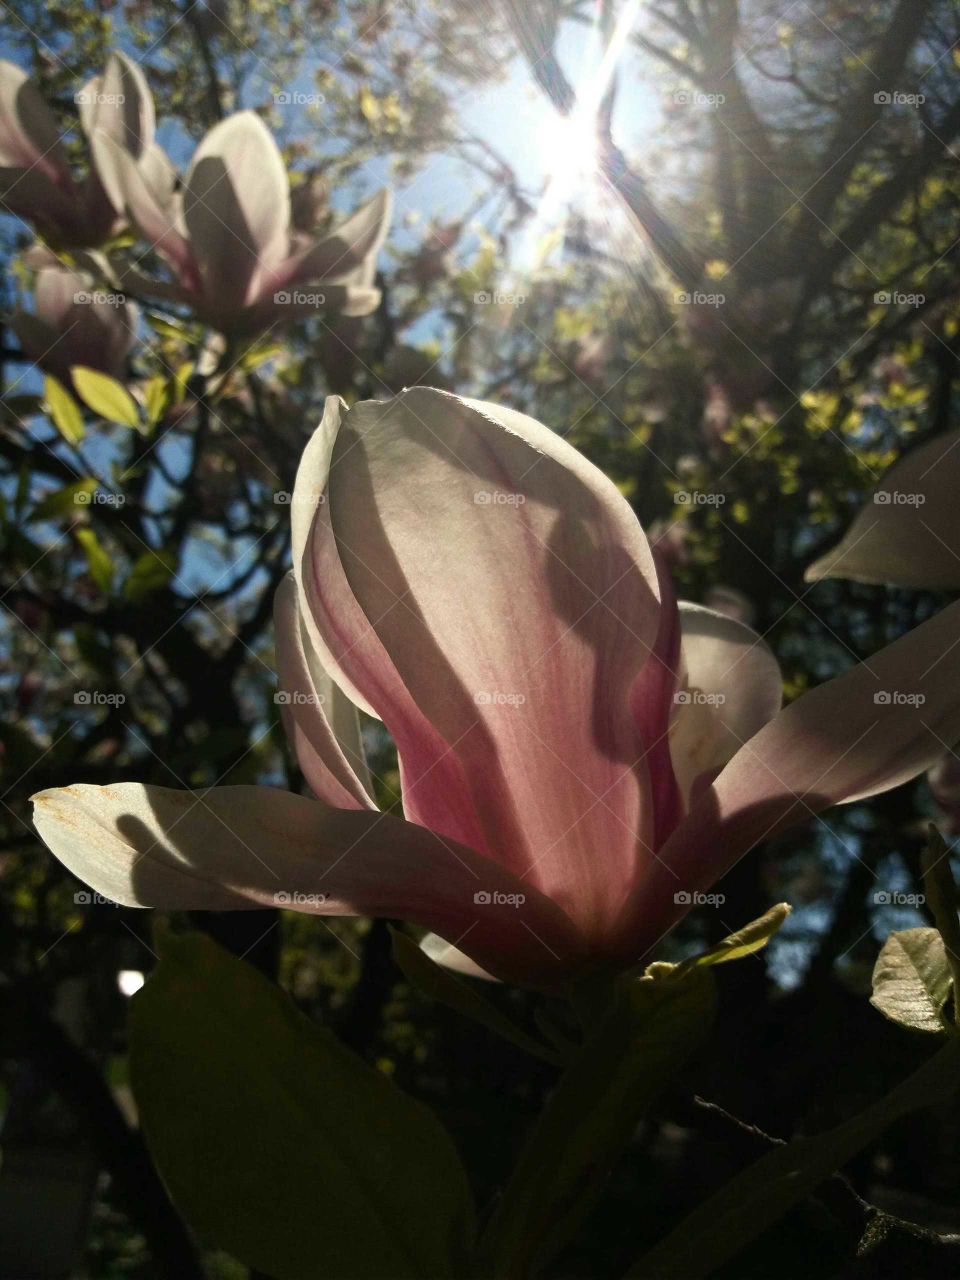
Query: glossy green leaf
<point>460,995</point>
<point>63,410</point>
<point>98,560</point>
<point>150,572</point>
<point>278,1144</point>
<point>748,1204</point>
<point>650,1027</point>
<point>911,979</point>
<point>105,396</point>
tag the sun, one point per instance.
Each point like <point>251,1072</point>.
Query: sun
<point>569,149</point>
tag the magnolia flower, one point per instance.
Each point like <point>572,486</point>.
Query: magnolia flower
<point>35,178</point>
<point>75,323</point>
<point>909,533</point>
<point>237,260</point>
<point>580,758</point>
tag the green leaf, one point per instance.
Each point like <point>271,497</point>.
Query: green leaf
<point>456,993</point>
<point>156,394</point>
<point>98,560</point>
<point>278,1144</point>
<point>150,572</point>
<point>752,937</point>
<point>63,410</point>
<point>911,979</point>
<point>65,501</point>
<point>650,1028</point>
<point>258,355</point>
<point>755,1199</point>
<point>105,396</point>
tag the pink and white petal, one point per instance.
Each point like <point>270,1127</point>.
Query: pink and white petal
<point>29,137</point>
<point>493,597</point>
<point>55,293</point>
<point>730,687</point>
<point>321,721</point>
<point>651,699</point>
<point>122,106</point>
<point>447,955</point>
<point>160,174</point>
<point>234,847</point>
<point>268,313</point>
<point>128,188</point>
<point>347,255</point>
<point>236,208</point>
<point>876,726</point>
<point>909,534</point>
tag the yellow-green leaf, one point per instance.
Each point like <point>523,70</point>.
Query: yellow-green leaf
<point>63,410</point>
<point>65,501</point>
<point>911,980</point>
<point>150,572</point>
<point>105,396</point>
<point>98,560</point>
<point>745,941</point>
<point>155,398</point>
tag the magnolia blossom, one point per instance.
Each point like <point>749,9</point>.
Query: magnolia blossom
<point>580,757</point>
<point>237,259</point>
<point>35,178</point>
<point>909,532</point>
<point>76,323</point>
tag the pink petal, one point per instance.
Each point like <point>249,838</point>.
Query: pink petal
<point>855,736</point>
<point>730,687</point>
<point>235,847</point>
<point>120,103</point>
<point>129,188</point>
<point>321,721</point>
<point>909,534</point>
<point>491,595</point>
<point>29,137</point>
<point>236,207</point>
<point>347,255</point>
